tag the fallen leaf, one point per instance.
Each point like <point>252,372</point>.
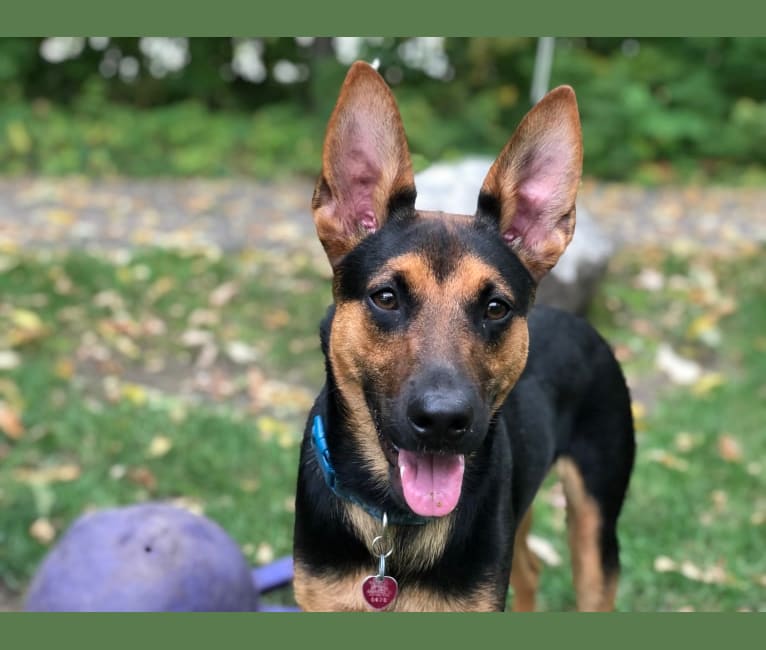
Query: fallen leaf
<point>127,347</point>
<point>64,368</point>
<point>10,422</point>
<point>42,530</point>
<point>195,338</point>
<point>685,441</point>
<point>143,477</point>
<point>61,217</point>
<point>276,319</point>
<point>700,327</point>
<point>159,446</point>
<point>134,393</point>
<point>43,475</point>
<point>678,369</point>
<point>207,356</point>
<point>153,326</point>
<point>650,280</point>
<point>9,360</point>
<point>18,137</point>
<point>241,353</point>
<point>754,468</point>
<point>222,294</point>
<point>255,382</point>
<point>667,459</point>
<point>729,448</point>
<point>543,549</point>
<point>664,564</point>
<point>26,326</point>
<point>117,472</point>
<point>264,553</point>
<point>720,500</point>
<point>204,318</point>
<point>191,505</point>
<point>159,288</point>
<point>707,383</point>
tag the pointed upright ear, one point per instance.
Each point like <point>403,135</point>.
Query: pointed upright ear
<point>531,187</point>
<point>365,164</point>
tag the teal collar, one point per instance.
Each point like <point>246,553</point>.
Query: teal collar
<point>319,439</point>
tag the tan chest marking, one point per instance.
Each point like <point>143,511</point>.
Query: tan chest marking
<point>315,593</point>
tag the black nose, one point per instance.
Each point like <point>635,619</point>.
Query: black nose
<point>438,416</point>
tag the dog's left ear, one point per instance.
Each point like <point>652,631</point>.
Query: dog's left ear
<point>365,163</point>
<point>531,187</point>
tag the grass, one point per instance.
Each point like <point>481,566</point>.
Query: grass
<point>186,375</point>
<point>97,341</point>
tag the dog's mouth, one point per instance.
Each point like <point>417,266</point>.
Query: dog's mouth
<point>430,482</point>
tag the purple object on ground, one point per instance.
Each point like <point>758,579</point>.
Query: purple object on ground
<point>151,558</point>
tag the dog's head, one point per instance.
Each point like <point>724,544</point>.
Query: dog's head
<point>429,333</point>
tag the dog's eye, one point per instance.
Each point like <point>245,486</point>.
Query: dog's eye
<point>496,310</point>
<point>385,299</point>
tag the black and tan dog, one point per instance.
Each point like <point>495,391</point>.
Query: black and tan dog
<point>448,398</point>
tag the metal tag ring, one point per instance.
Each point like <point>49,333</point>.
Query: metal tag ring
<point>376,546</point>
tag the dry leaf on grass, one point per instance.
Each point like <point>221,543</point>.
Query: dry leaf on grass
<point>664,457</point>
<point>222,294</point>
<point>729,448</point>
<point>677,368</point>
<point>43,475</point>
<point>664,564</point>
<point>9,360</point>
<point>10,422</point>
<point>42,530</point>
<point>264,553</point>
<point>159,446</point>
<point>714,574</point>
<point>543,549</point>
<point>143,477</point>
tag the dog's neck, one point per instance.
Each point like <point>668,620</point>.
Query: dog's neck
<point>397,517</point>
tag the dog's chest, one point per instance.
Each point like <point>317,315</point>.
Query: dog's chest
<point>344,594</point>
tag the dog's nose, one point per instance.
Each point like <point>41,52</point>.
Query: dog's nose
<point>440,415</point>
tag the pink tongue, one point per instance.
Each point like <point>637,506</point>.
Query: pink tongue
<point>431,483</point>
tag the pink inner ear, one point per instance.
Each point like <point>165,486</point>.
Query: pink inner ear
<point>542,197</point>
<point>527,225</point>
<point>358,173</point>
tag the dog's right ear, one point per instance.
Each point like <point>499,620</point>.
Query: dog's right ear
<point>530,189</point>
<point>365,163</point>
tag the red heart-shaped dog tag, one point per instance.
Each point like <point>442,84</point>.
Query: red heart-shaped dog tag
<point>379,592</point>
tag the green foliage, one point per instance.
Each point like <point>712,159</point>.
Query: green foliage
<point>653,110</point>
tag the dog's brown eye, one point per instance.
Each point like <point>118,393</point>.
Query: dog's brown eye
<point>385,299</point>
<point>496,309</point>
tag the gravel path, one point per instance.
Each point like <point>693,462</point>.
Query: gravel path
<point>234,214</point>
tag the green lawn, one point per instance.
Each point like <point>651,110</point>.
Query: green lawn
<point>187,375</point>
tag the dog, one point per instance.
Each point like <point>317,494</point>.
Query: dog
<point>448,397</point>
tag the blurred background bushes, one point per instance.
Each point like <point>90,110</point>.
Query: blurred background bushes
<point>653,110</point>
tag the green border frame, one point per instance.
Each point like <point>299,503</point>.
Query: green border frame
<point>345,17</point>
<point>370,631</point>
<point>393,17</point>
